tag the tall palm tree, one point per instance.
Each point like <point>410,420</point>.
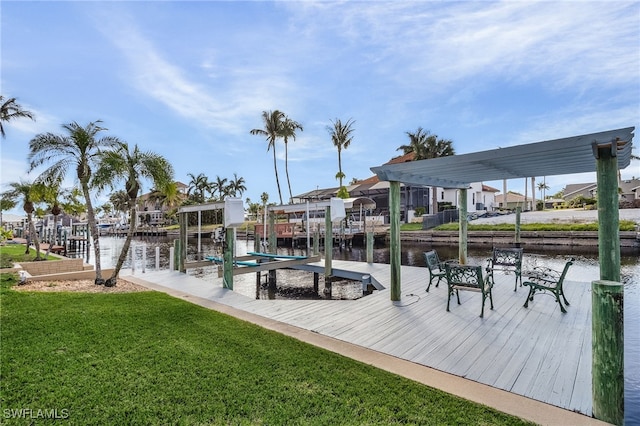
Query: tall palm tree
<point>199,185</point>
<point>341,136</point>
<point>424,145</point>
<point>542,187</point>
<point>10,110</point>
<point>273,122</point>
<point>220,185</point>
<point>81,148</point>
<point>289,128</point>
<point>130,166</point>
<point>28,194</point>
<point>237,186</point>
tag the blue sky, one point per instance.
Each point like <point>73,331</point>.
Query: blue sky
<point>189,80</point>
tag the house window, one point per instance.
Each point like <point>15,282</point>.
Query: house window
<point>442,195</point>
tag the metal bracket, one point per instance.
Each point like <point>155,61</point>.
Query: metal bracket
<point>613,146</point>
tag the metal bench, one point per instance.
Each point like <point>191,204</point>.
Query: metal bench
<point>547,279</point>
<point>435,266</point>
<point>506,260</point>
<point>468,277</point>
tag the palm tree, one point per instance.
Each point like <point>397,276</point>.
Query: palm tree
<point>236,186</point>
<point>219,185</point>
<point>542,187</point>
<point>27,193</point>
<point>273,123</point>
<point>10,110</point>
<point>71,203</point>
<point>51,195</point>
<point>199,185</point>
<point>78,148</point>
<point>120,201</point>
<point>341,136</point>
<point>289,128</point>
<point>130,166</point>
<point>167,196</point>
<point>424,146</point>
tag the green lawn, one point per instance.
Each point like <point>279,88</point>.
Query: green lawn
<point>147,358</point>
<point>15,253</point>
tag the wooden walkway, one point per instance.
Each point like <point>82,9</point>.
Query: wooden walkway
<point>538,352</point>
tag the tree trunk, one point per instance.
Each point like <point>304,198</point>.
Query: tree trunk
<point>111,282</point>
<point>95,235</point>
<point>34,238</point>
<point>286,169</point>
<point>275,167</point>
<point>55,221</point>
<point>340,167</point>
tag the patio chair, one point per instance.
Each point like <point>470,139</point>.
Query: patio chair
<point>435,266</point>
<point>547,279</point>
<point>468,277</point>
<point>506,260</point>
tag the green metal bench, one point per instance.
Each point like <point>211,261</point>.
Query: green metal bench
<point>435,266</point>
<point>547,279</point>
<point>468,277</point>
<point>506,260</point>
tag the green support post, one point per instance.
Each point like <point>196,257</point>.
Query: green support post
<point>608,216</point>
<point>462,232</point>
<point>394,243</point>
<point>328,242</point>
<point>176,254</point>
<point>182,251</point>
<point>369,247</point>
<point>607,319</point>
<point>273,238</point>
<point>227,258</point>
<point>316,242</point>
<point>517,237</point>
<point>256,242</point>
<point>607,351</point>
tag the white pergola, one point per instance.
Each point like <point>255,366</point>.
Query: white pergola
<point>603,152</point>
<point>575,154</point>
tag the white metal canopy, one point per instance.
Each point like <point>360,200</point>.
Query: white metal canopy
<point>575,154</point>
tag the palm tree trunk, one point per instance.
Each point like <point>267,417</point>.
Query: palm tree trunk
<point>55,221</point>
<point>286,169</point>
<point>111,282</point>
<point>340,167</point>
<point>34,237</point>
<point>275,167</point>
<point>95,235</point>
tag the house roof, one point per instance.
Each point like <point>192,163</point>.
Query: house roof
<point>487,188</point>
<point>575,188</point>
<point>574,154</point>
<point>512,197</point>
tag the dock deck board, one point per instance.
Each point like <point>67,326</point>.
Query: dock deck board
<point>537,352</point>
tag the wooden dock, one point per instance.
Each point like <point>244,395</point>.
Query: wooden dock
<point>538,352</point>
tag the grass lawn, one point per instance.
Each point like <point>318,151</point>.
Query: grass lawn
<point>147,358</point>
<point>15,253</point>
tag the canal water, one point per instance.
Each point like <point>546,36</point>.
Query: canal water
<point>300,284</point>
